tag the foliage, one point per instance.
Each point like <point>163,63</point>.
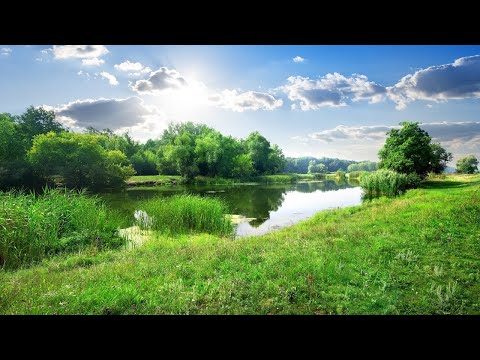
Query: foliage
<point>314,168</point>
<point>409,150</point>
<point>467,165</point>
<point>34,227</point>
<point>79,159</point>
<point>186,214</point>
<point>144,162</point>
<point>35,121</point>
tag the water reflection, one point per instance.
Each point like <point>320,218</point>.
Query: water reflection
<point>272,206</point>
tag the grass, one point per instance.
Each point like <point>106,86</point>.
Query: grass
<point>181,214</point>
<point>414,254</point>
<point>34,227</point>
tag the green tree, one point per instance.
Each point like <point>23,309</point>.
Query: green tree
<point>276,160</point>
<point>13,165</point>
<point>409,150</point>
<point>314,168</point>
<point>259,150</point>
<point>467,165</point>
<point>440,158</point>
<point>145,162</point>
<point>79,160</point>
<point>242,166</point>
<point>35,121</point>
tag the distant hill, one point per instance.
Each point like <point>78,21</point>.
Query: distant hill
<point>449,170</point>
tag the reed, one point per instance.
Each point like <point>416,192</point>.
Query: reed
<point>33,227</point>
<point>182,214</point>
<point>384,182</point>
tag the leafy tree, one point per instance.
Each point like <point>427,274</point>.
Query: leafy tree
<point>242,166</point>
<point>259,150</point>
<point>79,159</point>
<point>467,165</point>
<point>145,162</point>
<point>13,166</point>
<point>314,168</point>
<point>440,158</point>
<point>409,150</point>
<point>276,160</point>
<point>35,121</point>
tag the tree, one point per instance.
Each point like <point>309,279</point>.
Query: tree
<point>35,121</point>
<point>276,160</point>
<point>258,148</point>
<point>13,166</point>
<point>145,162</point>
<point>362,166</point>
<point>467,165</point>
<point>440,158</point>
<point>79,159</point>
<point>314,168</point>
<point>409,150</point>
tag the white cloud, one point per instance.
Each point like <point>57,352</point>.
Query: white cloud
<point>461,138</point>
<point>298,59</point>
<point>111,79</point>
<point>5,51</point>
<point>114,114</point>
<point>93,62</point>
<point>160,81</point>
<point>79,51</point>
<point>250,100</point>
<point>457,80</point>
<point>128,66</point>
<point>331,90</point>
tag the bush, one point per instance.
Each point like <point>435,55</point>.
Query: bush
<point>181,214</point>
<point>384,182</point>
<point>34,227</point>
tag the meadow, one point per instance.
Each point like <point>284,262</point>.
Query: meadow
<point>417,253</point>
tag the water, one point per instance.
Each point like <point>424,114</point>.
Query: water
<point>265,207</point>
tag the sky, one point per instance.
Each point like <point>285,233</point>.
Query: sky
<point>333,101</point>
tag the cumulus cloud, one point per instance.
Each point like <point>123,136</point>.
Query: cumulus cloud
<point>343,132</point>
<point>443,132</point>
<point>250,100</point>
<point>331,90</point>
<point>298,59</point>
<point>93,62</point>
<point>111,79</point>
<point>79,51</point>
<point>5,51</point>
<point>160,81</point>
<point>133,69</point>
<point>114,114</point>
<point>457,80</point>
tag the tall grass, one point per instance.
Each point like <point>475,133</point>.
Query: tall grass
<point>384,182</point>
<point>181,214</point>
<point>33,227</point>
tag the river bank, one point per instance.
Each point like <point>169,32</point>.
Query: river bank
<point>415,254</point>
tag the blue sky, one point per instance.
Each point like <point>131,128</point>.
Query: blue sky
<point>335,101</point>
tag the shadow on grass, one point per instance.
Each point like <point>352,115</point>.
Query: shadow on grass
<point>446,184</point>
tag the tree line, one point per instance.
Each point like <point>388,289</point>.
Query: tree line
<point>37,150</point>
<point>309,165</point>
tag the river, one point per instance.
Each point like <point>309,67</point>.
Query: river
<point>264,207</point>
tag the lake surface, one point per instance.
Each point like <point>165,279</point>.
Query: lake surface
<point>268,207</point>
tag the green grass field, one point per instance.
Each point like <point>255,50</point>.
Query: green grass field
<point>415,254</point>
